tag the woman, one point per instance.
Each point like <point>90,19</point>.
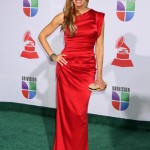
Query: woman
<point>76,67</point>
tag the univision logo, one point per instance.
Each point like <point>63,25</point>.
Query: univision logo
<point>120,98</point>
<point>30,7</point>
<point>29,87</point>
<point>125,9</point>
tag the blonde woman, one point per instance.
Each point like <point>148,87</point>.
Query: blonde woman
<point>78,70</point>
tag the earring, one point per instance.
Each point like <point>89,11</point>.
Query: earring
<point>86,4</point>
<point>72,4</point>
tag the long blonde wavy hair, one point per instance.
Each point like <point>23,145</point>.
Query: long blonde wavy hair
<point>69,17</point>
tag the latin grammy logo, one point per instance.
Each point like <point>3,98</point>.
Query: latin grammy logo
<point>122,59</point>
<point>29,49</point>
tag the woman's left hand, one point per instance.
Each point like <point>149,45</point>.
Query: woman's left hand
<point>102,84</point>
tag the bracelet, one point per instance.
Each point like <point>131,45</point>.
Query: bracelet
<point>52,56</point>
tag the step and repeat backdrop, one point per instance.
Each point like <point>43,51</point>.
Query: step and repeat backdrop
<point>27,76</point>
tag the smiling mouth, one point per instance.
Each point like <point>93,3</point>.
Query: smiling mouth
<point>78,1</point>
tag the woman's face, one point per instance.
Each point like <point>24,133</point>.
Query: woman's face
<point>79,3</point>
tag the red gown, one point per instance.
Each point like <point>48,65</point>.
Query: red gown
<point>73,80</point>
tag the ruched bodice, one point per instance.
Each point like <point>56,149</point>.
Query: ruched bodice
<point>86,33</point>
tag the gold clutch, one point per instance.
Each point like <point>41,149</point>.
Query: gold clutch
<point>95,87</point>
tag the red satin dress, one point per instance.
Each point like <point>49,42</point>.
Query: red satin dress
<point>73,80</point>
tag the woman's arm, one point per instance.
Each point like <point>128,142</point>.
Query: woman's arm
<point>57,21</point>
<point>99,50</point>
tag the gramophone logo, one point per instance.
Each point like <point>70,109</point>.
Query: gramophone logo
<point>29,87</point>
<point>122,59</point>
<point>29,48</point>
<point>120,98</point>
<point>30,7</point>
<point>125,9</point>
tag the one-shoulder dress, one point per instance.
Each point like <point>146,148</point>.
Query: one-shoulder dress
<point>72,94</point>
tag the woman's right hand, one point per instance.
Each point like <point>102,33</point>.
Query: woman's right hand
<point>60,59</point>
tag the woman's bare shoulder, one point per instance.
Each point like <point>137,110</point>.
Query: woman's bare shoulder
<point>59,18</point>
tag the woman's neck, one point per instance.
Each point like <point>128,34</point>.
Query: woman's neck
<point>81,10</point>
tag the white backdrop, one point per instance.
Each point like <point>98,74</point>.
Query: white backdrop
<point>131,82</point>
